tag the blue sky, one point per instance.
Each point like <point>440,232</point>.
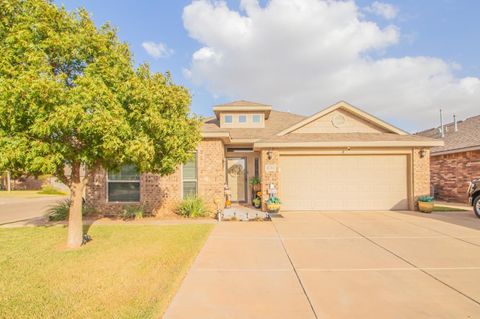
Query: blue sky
<point>448,30</point>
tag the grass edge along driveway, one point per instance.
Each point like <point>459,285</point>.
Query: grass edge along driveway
<point>125,272</point>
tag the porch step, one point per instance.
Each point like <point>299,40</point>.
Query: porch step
<point>243,214</point>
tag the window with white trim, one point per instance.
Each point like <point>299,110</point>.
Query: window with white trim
<point>123,185</point>
<point>256,118</point>
<point>228,119</point>
<point>242,119</point>
<point>189,177</point>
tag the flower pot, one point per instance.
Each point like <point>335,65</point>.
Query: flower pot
<point>273,208</point>
<point>426,207</point>
<point>256,187</point>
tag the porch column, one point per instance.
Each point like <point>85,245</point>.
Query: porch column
<point>269,172</point>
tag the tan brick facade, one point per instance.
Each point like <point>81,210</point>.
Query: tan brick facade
<point>160,194</point>
<point>452,172</point>
<point>211,172</point>
<point>271,177</point>
<point>421,173</point>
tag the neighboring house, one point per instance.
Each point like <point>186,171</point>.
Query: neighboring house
<point>457,162</point>
<point>338,159</point>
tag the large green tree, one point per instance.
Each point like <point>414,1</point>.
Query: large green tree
<point>71,100</point>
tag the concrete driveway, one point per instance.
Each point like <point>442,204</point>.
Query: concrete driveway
<point>25,209</point>
<point>337,265</point>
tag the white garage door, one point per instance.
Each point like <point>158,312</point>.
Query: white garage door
<point>373,182</point>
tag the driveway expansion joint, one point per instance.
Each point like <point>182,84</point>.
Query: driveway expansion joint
<point>408,262</point>
<point>295,271</point>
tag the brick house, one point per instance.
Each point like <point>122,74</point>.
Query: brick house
<point>340,158</point>
<point>457,162</point>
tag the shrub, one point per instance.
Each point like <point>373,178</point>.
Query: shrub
<point>425,198</point>
<point>50,190</point>
<point>60,210</point>
<point>255,181</point>
<point>133,211</point>
<point>192,207</point>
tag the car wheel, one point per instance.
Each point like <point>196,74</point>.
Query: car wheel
<point>476,206</point>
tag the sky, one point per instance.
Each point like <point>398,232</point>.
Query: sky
<point>399,60</point>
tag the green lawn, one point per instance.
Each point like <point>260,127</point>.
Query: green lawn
<point>124,272</point>
<point>447,209</point>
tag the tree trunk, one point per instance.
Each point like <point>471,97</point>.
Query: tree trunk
<point>75,224</point>
<point>9,185</point>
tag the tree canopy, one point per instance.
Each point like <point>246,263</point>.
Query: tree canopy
<point>70,96</point>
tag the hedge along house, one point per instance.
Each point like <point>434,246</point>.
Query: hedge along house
<point>340,158</point>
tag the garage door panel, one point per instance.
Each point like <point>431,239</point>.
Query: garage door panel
<point>376,182</point>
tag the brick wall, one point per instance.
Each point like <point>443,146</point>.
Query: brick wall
<point>269,177</point>
<point>421,173</point>
<point>211,173</point>
<point>452,172</point>
<point>157,193</point>
<point>160,194</point>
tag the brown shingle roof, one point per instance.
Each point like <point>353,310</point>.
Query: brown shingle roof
<point>467,136</point>
<point>343,137</point>
<point>277,122</point>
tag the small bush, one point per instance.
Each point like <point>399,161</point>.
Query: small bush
<point>50,190</point>
<point>61,209</point>
<point>192,207</point>
<point>132,211</point>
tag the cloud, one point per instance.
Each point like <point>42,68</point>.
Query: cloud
<point>303,55</point>
<point>157,50</point>
<point>385,10</point>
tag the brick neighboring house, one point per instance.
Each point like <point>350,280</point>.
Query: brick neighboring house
<point>456,163</point>
<point>340,158</point>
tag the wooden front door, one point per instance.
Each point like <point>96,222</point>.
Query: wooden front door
<point>237,178</point>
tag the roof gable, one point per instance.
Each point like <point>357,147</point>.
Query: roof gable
<point>342,118</point>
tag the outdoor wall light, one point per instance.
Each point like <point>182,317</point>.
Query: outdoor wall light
<point>269,155</point>
<point>422,153</point>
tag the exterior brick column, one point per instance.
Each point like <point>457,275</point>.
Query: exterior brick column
<point>211,173</point>
<point>421,174</point>
<point>270,177</point>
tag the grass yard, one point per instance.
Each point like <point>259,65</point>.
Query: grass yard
<point>124,272</point>
<point>447,209</point>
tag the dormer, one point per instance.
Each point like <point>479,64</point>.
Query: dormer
<point>242,114</point>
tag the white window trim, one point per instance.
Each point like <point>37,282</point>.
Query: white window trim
<point>182,180</point>
<point>244,116</point>
<point>259,118</point>
<point>123,181</point>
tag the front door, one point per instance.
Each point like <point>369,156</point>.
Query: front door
<point>237,178</point>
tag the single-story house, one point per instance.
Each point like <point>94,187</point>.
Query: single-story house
<point>340,158</point>
<point>457,162</point>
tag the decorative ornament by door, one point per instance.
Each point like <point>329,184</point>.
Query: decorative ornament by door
<point>235,170</point>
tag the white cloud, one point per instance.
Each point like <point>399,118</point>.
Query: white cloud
<point>157,50</point>
<point>303,55</point>
<point>385,10</point>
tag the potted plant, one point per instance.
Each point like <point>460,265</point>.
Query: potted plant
<point>273,204</point>
<point>425,203</point>
<point>257,202</point>
<point>255,182</point>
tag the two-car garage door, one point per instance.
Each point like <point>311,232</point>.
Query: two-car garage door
<point>344,182</point>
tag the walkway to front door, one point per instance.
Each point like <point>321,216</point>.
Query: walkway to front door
<point>337,265</point>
